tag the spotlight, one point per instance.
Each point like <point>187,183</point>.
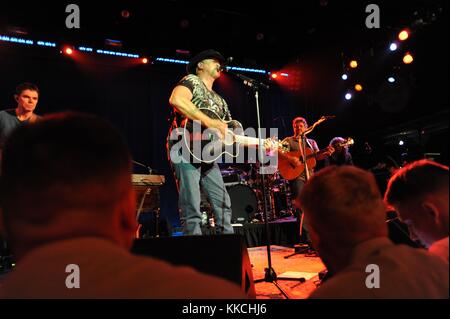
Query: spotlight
<point>403,35</point>
<point>408,58</point>
<point>274,75</point>
<point>401,143</point>
<point>393,46</point>
<point>348,96</point>
<point>344,76</point>
<point>144,60</point>
<point>125,14</point>
<point>391,79</point>
<point>353,64</point>
<point>358,87</point>
<point>68,50</point>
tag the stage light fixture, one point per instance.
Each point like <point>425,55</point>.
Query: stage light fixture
<point>391,79</point>
<point>85,49</point>
<point>274,75</point>
<point>348,96</point>
<point>344,76</point>
<point>144,60</point>
<point>15,40</point>
<point>46,44</point>
<point>113,43</point>
<point>125,14</point>
<point>68,50</point>
<point>401,143</point>
<point>408,58</point>
<point>353,64</point>
<point>393,47</point>
<point>358,87</point>
<point>403,35</point>
<point>235,68</point>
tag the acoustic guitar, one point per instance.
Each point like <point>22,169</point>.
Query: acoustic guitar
<point>289,170</point>
<point>205,145</point>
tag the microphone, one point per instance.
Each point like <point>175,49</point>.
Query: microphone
<point>223,66</point>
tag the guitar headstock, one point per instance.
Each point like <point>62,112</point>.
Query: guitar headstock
<point>348,141</point>
<point>272,144</point>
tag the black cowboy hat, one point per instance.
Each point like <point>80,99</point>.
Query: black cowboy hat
<point>207,54</point>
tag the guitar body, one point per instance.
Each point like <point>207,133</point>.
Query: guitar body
<point>207,147</point>
<point>290,171</point>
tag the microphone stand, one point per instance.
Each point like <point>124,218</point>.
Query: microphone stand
<point>141,203</point>
<point>269,273</point>
<point>150,170</point>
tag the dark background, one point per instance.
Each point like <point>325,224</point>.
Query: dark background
<point>311,40</point>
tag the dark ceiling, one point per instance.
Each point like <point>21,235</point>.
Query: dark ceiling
<point>314,36</point>
<point>260,34</point>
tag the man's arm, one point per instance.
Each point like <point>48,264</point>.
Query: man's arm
<point>181,100</point>
<point>322,155</point>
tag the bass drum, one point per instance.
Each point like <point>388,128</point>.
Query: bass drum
<point>244,203</point>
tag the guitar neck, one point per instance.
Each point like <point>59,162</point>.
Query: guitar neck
<point>249,141</point>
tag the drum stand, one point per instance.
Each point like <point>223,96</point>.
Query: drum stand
<point>269,273</point>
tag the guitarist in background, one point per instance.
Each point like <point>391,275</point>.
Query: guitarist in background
<point>299,125</point>
<point>195,91</point>
<point>341,155</point>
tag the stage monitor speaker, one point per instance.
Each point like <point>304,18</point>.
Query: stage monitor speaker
<point>223,256</point>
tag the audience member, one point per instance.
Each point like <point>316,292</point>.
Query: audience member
<point>348,229</point>
<point>419,194</point>
<point>69,214</point>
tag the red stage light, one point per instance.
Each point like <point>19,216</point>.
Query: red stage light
<point>68,51</point>
<point>274,75</point>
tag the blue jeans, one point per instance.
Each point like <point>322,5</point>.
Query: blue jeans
<point>189,179</point>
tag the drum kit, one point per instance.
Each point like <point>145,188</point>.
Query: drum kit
<point>244,185</point>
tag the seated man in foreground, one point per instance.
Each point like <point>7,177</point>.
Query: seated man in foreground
<point>69,213</point>
<point>348,229</point>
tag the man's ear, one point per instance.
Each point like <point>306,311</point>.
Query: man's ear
<point>129,211</point>
<point>128,222</point>
<point>431,210</point>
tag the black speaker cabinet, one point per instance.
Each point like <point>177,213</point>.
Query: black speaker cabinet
<point>224,256</point>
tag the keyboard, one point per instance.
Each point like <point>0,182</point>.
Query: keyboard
<point>148,180</point>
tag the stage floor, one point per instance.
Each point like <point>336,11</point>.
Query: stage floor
<point>299,264</point>
<point>283,232</point>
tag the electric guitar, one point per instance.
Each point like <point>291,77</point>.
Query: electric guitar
<point>286,162</point>
<point>206,146</point>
